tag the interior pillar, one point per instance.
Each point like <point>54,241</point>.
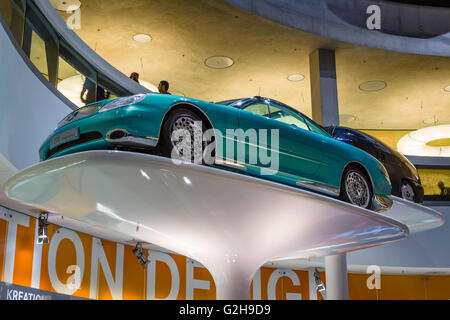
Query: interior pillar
<point>324,98</point>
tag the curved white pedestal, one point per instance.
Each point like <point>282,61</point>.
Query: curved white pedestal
<point>415,216</point>
<point>230,223</point>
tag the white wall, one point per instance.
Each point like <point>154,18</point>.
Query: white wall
<point>29,110</point>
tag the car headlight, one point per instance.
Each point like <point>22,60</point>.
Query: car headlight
<point>78,114</point>
<point>122,102</point>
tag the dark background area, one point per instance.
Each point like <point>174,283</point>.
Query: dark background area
<point>430,3</point>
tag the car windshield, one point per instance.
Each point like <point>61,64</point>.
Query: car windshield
<point>316,128</point>
<point>295,117</point>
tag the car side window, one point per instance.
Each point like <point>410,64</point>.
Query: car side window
<point>285,115</point>
<point>259,108</point>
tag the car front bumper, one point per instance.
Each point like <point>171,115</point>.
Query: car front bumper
<point>380,204</point>
<point>140,128</point>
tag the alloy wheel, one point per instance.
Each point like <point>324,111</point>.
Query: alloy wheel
<point>357,189</point>
<point>408,192</point>
<point>187,134</point>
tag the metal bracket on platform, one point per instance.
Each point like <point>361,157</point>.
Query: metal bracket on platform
<point>43,228</point>
<point>140,255</point>
<point>319,284</point>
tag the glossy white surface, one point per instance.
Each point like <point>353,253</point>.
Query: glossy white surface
<point>416,217</point>
<point>230,223</point>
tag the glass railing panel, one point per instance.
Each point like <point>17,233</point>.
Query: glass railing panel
<point>6,11</point>
<point>38,54</point>
<point>13,11</point>
<point>70,82</point>
<point>75,77</point>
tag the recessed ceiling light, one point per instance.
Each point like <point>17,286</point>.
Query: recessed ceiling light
<point>142,38</point>
<point>447,88</point>
<point>296,77</point>
<point>66,5</point>
<point>219,62</point>
<point>432,120</point>
<point>346,118</point>
<point>373,85</point>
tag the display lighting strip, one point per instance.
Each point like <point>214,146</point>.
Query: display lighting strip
<point>416,143</point>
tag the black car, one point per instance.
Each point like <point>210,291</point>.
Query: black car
<point>404,177</point>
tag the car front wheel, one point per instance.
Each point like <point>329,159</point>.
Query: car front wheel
<point>182,136</point>
<point>356,188</point>
<point>407,191</point>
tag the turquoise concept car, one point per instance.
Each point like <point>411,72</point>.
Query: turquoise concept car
<point>254,136</point>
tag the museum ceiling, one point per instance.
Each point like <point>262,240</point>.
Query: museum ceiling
<point>185,33</point>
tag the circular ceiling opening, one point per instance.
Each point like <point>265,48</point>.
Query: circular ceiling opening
<point>346,118</point>
<point>142,38</point>
<point>439,143</point>
<point>219,62</point>
<point>373,85</point>
<point>296,77</point>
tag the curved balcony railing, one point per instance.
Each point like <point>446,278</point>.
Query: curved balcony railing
<point>403,27</point>
<point>79,74</point>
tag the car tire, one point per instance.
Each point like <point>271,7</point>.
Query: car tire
<point>190,124</point>
<point>407,191</point>
<point>356,188</point>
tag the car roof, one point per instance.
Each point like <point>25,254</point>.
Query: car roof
<point>365,135</point>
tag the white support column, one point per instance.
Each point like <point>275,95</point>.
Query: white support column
<point>336,277</point>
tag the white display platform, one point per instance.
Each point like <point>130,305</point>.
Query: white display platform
<point>231,223</point>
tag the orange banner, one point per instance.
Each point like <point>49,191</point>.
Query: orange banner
<point>77,264</point>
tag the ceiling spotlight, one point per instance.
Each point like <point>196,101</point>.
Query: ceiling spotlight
<point>296,77</point>
<point>219,62</point>
<point>66,5</point>
<point>346,118</point>
<point>373,85</point>
<point>447,89</point>
<point>142,38</point>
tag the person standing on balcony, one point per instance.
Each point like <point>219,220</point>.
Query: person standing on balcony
<point>135,76</point>
<point>163,87</point>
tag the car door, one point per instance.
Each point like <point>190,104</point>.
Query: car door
<point>293,149</point>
